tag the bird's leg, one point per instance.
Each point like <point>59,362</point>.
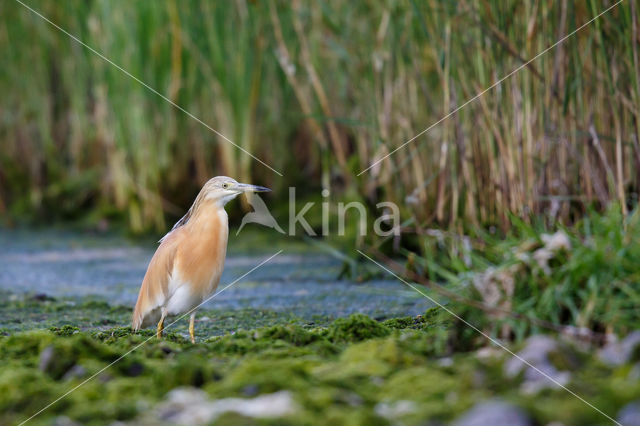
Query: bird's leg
<point>192,331</point>
<point>160,328</point>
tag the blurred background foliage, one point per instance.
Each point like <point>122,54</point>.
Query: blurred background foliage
<point>319,91</point>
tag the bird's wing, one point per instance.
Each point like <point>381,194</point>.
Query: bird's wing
<point>154,289</point>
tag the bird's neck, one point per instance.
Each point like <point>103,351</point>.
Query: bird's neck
<point>209,217</point>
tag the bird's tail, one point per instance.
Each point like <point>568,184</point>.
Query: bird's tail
<point>138,317</point>
<point>143,314</point>
<point>145,319</point>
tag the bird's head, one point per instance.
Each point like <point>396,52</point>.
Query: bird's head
<point>222,189</point>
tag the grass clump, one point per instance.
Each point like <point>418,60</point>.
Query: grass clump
<point>584,277</point>
<point>65,330</point>
<point>290,333</point>
<point>355,328</point>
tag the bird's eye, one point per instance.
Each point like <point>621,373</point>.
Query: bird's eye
<point>225,185</point>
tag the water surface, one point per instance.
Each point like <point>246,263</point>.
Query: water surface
<point>300,281</point>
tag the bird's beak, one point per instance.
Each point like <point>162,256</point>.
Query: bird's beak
<point>245,187</point>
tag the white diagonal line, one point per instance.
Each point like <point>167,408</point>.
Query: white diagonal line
<point>145,341</point>
<point>563,39</point>
<point>151,89</point>
<point>494,341</point>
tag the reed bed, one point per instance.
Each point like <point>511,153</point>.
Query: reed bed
<point>320,91</point>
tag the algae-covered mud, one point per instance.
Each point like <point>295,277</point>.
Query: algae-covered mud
<point>354,370</point>
<point>289,344</point>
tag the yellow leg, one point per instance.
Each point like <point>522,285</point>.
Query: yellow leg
<point>160,328</point>
<point>192,331</point>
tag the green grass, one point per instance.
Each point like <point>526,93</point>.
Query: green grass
<point>591,285</point>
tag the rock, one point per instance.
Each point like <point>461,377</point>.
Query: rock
<point>54,363</point>
<point>76,372</point>
<point>479,378</point>
<point>134,369</point>
<point>46,358</point>
<point>494,413</point>
<point>393,410</point>
<point>56,360</point>
<point>186,396</point>
<point>445,362</point>
<point>580,336</point>
<point>536,353</point>
<point>489,352</point>
<point>64,421</point>
<point>186,406</point>
<point>630,414</point>
<point>42,297</point>
<point>190,406</point>
<point>353,399</point>
<point>618,353</point>
<point>251,390</point>
<point>634,374</point>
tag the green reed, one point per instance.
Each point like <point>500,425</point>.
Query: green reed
<point>320,90</point>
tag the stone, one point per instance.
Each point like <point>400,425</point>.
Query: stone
<point>190,406</point>
<point>536,353</point>
<point>251,390</point>
<point>75,372</point>
<point>620,352</point>
<point>629,415</point>
<point>64,421</point>
<point>134,369</point>
<point>46,358</point>
<point>42,297</point>
<point>445,362</point>
<point>489,352</point>
<point>395,409</point>
<point>494,413</point>
<point>55,362</point>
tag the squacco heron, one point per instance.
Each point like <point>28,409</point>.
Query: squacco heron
<point>187,265</point>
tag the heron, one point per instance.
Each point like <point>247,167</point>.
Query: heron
<point>186,267</point>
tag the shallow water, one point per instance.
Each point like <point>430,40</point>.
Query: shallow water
<point>298,281</point>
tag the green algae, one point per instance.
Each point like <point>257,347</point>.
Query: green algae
<point>66,315</point>
<point>347,371</point>
<point>355,328</point>
<point>65,330</point>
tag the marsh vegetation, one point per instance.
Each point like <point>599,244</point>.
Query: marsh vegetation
<point>320,91</point>
<point>518,209</point>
